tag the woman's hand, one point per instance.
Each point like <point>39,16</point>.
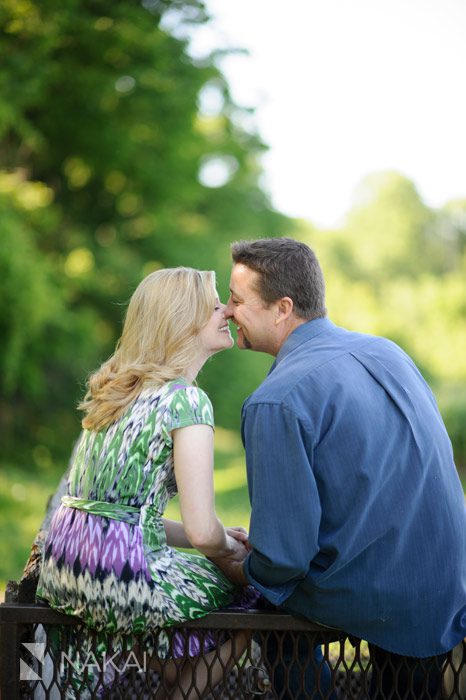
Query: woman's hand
<point>240,534</point>
<point>236,549</point>
<point>232,563</point>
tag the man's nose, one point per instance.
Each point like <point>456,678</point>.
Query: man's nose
<point>228,310</point>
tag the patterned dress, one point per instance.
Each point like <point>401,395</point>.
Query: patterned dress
<point>106,558</point>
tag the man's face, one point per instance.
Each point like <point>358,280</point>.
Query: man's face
<point>255,322</point>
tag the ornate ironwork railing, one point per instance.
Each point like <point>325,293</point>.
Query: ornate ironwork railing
<point>46,655</point>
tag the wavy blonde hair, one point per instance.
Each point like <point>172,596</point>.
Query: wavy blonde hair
<point>158,343</point>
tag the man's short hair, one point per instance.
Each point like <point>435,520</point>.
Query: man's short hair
<point>287,268</point>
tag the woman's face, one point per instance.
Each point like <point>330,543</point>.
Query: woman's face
<point>215,335</point>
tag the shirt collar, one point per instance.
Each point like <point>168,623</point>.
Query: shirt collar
<point>301,334</point>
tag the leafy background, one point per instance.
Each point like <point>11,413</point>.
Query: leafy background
<point>105,153</point>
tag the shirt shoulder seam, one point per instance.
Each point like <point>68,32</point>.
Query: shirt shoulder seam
<point>345,351</point>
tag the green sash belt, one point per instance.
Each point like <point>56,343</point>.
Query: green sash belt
<point>116,511</point>
<point>148,517</point>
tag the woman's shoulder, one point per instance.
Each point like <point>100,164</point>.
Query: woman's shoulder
<point>176,404</point>
<point>173,391</point>
<point>189,403</point>
<point>180,389</point>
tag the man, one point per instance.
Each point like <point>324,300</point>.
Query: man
<point>357,514</point>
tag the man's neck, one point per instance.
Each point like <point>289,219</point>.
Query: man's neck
<point>291,325</point>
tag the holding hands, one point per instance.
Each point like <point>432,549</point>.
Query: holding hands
<point>232,564</point>
<point>240,535</point>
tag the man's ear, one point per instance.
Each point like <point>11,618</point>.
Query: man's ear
<point>283,309</point>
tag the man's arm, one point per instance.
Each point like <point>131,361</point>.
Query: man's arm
<point>285,503</point>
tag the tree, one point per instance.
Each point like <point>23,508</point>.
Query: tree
<point>103,147</point>
<point>397,268</point>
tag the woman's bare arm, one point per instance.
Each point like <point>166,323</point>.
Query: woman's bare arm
<point>176,536</point>
<point>193,449</point>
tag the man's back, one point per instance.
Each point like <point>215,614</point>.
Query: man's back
<point>358,517</point>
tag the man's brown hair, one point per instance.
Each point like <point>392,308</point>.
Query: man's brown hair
<point>287,268</point>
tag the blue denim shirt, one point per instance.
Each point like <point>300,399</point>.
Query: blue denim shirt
<point>358,515</point>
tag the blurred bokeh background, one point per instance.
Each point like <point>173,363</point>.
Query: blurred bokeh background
<point>121,151</point>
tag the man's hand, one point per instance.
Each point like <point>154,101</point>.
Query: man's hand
<point>232,569</point>
<point>240,534</point>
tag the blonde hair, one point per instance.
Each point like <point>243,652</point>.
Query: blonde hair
<point>158,343</point>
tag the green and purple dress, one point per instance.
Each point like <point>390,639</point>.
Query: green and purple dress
<point>106,557</point>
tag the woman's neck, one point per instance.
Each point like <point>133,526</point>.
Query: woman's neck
<point>195,367</point>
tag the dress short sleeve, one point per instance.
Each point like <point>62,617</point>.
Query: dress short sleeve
<point>188,405</point>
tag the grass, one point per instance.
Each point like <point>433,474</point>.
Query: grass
<point>23,500</point>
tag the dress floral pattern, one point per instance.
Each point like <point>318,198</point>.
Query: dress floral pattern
<point>106,558</point>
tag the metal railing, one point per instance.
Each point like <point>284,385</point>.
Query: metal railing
<point>46,655</point>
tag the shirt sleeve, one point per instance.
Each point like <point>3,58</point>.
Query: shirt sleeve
<point>188,405</point>
<point>284,499</point>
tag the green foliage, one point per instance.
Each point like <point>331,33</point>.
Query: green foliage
<point>388,226</point>
<point>23,499</point>
<point>452,402</point>
<point>25,284</point>
<point>397,268</point>
<point>101,143</point>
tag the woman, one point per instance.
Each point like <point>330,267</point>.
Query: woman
<point>147,433</point>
